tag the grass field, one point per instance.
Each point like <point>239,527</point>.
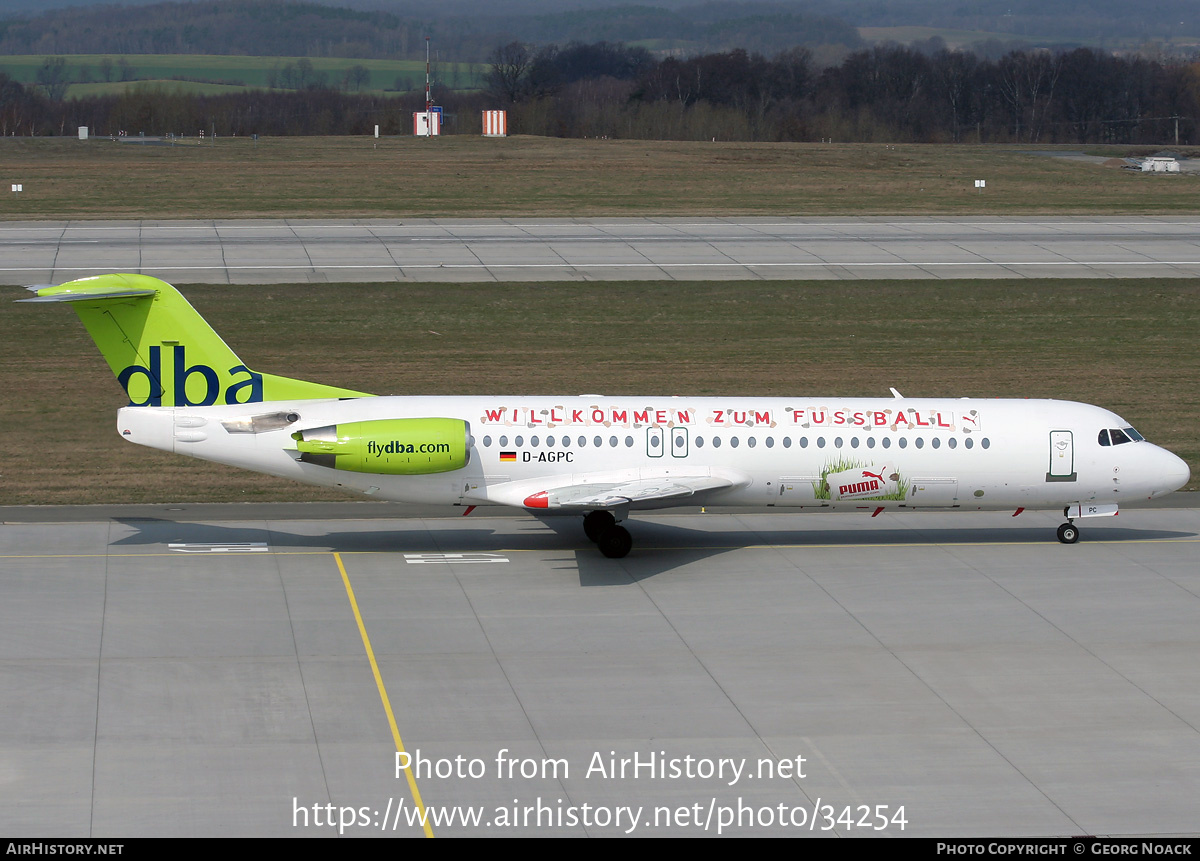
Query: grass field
<point>241,72</point>
<point>1127,345</point>
<point>79,91</point>
<point>469,175</point>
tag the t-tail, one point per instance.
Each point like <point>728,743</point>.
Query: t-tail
<point>163,352</point>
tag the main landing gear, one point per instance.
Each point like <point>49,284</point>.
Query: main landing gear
<point>614,541</point>
<point>1068,533</point>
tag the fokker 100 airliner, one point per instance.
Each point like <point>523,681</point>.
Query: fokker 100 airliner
<point>601,458</point>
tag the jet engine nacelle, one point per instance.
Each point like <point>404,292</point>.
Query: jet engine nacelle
<point>388,446</point>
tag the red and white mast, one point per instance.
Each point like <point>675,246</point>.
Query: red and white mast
<point>428,100</point>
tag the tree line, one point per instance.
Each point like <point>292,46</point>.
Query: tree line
<point>887,93</point>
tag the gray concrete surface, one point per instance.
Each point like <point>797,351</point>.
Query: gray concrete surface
<point>287,250</point>
<point>964,666</point>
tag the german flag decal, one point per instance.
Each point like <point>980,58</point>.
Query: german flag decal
<point>508,455</point>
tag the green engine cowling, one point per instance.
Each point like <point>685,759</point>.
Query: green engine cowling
<point>388,446</point>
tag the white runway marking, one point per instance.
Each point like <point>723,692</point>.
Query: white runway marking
<point>453,558</point>
<point>221,547</point>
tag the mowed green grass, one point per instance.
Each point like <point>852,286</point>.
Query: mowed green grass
<point>249,72</point>
<point>191,88</point>
<point>1126,345</point>
<point>467,175</point>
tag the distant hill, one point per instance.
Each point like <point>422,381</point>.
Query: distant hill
<point>278,28</point>
<point>469,30</point>
<point>212,27</point>
<point>1085,22</point>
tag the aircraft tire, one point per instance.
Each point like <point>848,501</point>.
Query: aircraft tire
<point>1068,533</point>
<point>615,542</point>
<point>595,522</point>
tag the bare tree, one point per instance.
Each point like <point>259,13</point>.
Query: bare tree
<point>358,77</point>
<point>52,77</point>
<point>126,71</point>
<point>510,68</point>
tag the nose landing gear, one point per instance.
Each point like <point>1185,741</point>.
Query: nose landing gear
<point>1068,533</point>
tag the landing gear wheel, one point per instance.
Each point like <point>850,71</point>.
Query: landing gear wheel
<point>615,542</point>
<point>595,522</point>
<point>1068,533</point>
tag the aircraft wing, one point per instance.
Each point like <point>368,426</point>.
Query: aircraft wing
<point>636,493</point>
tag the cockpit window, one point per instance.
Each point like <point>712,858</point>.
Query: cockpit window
<point>1117,436</point>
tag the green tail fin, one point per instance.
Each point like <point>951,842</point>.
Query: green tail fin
<point>163,352</point>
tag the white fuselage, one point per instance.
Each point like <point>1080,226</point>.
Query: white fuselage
<point>823,453</point>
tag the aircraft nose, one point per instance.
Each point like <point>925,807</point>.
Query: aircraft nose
<point>1174,473</point>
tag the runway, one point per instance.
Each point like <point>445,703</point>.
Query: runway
<point>291,250</point>
<point>949,674</point>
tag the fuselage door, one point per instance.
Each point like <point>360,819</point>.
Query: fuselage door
<point>1062,456</point>
<point>654,442</point>
<point>679,442</point>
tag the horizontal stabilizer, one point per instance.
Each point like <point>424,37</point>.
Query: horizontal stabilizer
<point>77,292</point>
